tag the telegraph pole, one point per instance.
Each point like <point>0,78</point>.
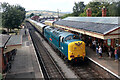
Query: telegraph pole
<point>58,11</point>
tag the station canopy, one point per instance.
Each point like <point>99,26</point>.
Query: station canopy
<point>99,27</point>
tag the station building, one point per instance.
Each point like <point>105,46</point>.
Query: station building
<point>7,44</point>
<point>3,41</point>
<point>105,30</point>
<point>102,28</point>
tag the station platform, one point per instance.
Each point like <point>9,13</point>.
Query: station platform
<point>105,62</point>
<point>25,64</point>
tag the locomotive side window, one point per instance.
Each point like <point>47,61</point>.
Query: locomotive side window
<point>61,39</point>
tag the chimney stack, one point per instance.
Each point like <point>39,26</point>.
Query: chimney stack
<point>89,12</point>
<point>104,11</point>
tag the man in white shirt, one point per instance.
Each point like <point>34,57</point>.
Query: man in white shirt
<point>100,52</point>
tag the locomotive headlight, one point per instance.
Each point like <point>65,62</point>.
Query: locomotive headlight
<point>83,53</point>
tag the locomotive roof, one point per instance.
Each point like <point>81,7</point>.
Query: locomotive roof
<point>102,25</point>
<point>59,32</point>
<point>65,34</point>
<point>104,20</point>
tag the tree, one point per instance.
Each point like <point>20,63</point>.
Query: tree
<point>96,8</point>
<point>12,16</point>
<point>67,15</point>
<point>108,1</point>
<point>78,8</point>
<point>32,14</point>
<point>112,6</point>
<point>39,15</point>
<point>114,9</point>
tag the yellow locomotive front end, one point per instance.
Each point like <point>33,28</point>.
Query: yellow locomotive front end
<point>76,51</point>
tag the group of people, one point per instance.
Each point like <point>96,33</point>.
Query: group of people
<point>115,51</point>
<point>111,51</point>
<point>101,48</point>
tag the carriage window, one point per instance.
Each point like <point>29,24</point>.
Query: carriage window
<point>116,42</point>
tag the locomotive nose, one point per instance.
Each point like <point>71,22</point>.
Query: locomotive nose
<point>76,50</point>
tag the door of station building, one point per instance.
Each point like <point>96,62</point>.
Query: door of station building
<point>117,42</point>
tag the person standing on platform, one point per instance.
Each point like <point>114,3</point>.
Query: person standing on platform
<point>112,49</point>
<point>110,52</point>
<point>97,49</point>
<point>100,51</point>
<point>25,32</point>
<point>116,54</point>
<point>118,51</point>
<point>93,44</point>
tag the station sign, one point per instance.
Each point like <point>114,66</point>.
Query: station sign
<point>109,42</point>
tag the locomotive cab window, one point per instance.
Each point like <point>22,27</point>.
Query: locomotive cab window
<point>76,37</point>
<point>69,38</point>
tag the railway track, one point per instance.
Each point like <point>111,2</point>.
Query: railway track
<point>85,72</point>
<point>48,65</point>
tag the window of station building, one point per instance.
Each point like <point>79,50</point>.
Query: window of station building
<point>117,41</point>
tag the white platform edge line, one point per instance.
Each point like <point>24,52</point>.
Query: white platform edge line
<point>104,68</point>
<point>36,55</point>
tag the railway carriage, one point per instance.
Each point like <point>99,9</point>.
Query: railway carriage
<point>49,23</point>
<point>39,26</point>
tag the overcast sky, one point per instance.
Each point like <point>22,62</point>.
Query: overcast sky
<point>51,5</point>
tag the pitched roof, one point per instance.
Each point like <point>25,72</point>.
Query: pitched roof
<point>14,40</point>
<point>105,20</point>
<point>3,39</point>
<point>102,25</point>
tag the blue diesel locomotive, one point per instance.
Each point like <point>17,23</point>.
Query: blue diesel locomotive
<point>67,43</point>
